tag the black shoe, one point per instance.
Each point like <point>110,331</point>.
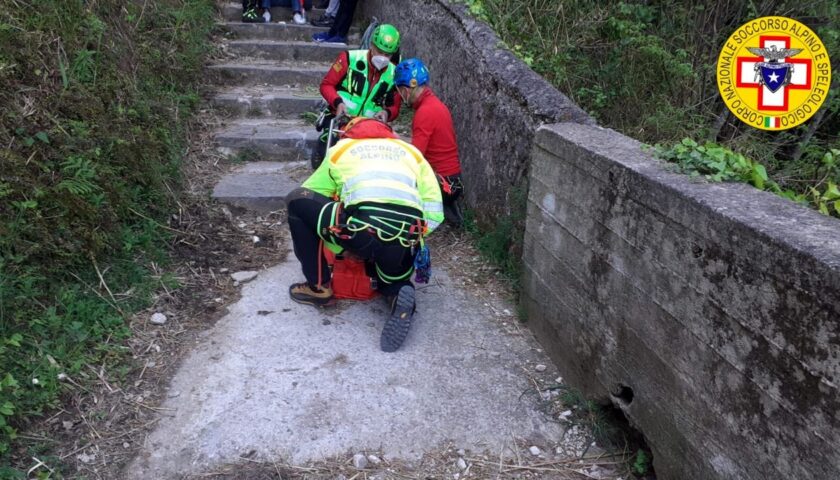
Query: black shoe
<point>396,328</point>
<point>251,16</point>
<point>325,21</point>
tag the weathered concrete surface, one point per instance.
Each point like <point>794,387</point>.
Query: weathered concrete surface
<point>267,101</point>
<point>267,73</point>
<point>261,186</point>
<point>717,304</point>
<point>497,102</point>
<point>279,140</point>
<point>295,383</point>
<point>277,50</point>
<point>278,31</point>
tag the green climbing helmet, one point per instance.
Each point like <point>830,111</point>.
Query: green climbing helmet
<point>386,38</point>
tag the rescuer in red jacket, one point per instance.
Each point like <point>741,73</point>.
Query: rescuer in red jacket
<point>432,133</point>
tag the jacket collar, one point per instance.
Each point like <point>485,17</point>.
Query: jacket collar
<point>427,92</point>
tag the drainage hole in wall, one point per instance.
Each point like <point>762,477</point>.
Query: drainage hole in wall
<point>623,394</point>
<point>616,430</point>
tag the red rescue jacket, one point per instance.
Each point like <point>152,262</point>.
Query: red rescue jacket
<point>434,135</point>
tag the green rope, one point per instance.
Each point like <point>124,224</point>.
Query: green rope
<point>321,226</point>
<point>390,279</point>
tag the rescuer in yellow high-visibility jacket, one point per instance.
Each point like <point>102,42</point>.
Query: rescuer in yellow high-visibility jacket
<point>377,197</point>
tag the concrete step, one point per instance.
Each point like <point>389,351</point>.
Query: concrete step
<point>261,101</point>
<point>293,74</point>
<point>279,31</point>
<point>268,139</point>
<point>233,11</point>
<point>261,186</point>
<point>285,50</point>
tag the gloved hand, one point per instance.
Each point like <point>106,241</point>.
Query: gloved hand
<point>341,110</point>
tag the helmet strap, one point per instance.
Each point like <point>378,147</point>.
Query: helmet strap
<point>412,95</point>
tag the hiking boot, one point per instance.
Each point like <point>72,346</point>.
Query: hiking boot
<point>324,21</point>
<point>309,295</point>
<point>299,18</point>
<point>397,325</point>
<point>320,36</point>
<point>251,16</point>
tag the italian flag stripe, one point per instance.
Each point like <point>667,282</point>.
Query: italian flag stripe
<point>771,122</point>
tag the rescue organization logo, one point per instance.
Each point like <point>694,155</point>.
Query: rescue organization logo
<point>773,73</point>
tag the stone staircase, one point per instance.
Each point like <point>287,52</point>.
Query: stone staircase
<point>267,90</point>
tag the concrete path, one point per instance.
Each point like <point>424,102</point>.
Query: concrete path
<point>278,381</point>
<point>292,383</point>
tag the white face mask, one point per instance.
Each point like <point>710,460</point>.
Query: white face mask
<point>380,61</point>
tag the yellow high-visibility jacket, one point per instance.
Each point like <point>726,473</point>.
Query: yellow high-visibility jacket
<point>384,171</point>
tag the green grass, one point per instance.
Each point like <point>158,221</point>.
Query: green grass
<point>501,241</point>
<point>95,101</point>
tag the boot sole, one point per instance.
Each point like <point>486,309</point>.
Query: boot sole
<point>312,301</point>
<point>396,328</point>
<point>319,303</point>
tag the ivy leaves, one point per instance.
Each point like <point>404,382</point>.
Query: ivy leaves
<point>720,164</point>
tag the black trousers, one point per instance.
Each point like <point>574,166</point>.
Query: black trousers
<point>343,18</point>
<point>451,188</point>
<point>388,259</point>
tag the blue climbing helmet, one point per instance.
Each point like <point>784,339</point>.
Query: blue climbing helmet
<point>411,73</point>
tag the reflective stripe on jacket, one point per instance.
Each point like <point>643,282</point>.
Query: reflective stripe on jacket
<point>379,171</point>
<point>356,92</point>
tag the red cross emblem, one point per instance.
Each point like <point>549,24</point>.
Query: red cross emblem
<point>767,100</point>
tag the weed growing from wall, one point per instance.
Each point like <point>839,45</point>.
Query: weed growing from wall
<point>717,163</point>
<point>501,242</point>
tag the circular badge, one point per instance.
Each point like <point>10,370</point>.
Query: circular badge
<point>773,73</point>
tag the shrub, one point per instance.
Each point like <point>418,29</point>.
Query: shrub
<point>719,164</point>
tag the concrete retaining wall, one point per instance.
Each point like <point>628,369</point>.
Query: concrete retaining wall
<point>497,102</point>
<point>717,305</point>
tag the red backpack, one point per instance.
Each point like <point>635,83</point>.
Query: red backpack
<point>350,279</point>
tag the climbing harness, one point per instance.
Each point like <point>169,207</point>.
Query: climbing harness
<point>407,228</point>
<point>335,223</point>
<point>387,224</point>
